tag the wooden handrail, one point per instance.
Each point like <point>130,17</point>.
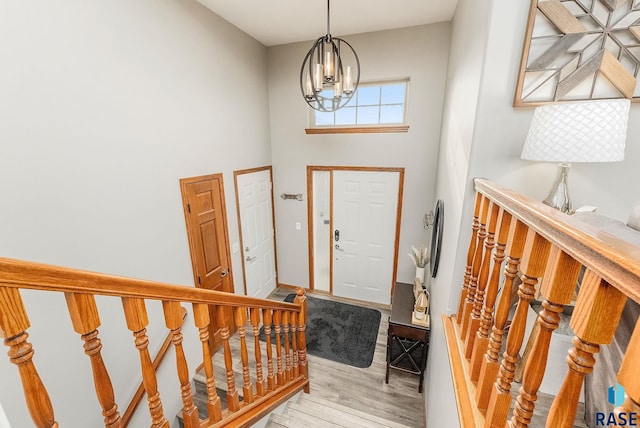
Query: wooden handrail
<point>547,250</point>
<point>613,259</point>
<point>79,288</point>
<point>37,276</point>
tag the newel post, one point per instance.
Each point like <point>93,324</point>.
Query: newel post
<point>301,300</point>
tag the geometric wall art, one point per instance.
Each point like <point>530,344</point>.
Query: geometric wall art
<point>580,50</point>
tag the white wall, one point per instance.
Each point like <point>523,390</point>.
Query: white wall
<point>468,41</point>
<point>104,106</point>
<point>419,53</point>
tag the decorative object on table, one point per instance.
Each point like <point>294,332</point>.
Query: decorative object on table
<point>634,217</point>
<point>338,331</point>
<point>420,313</point>
<point>417,288</point>
<point>420,257</point>
<point>436,237</point>
<point>588,131</point>
<point>579,50</point>
<point>330,72</point>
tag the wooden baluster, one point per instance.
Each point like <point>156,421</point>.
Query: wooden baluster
<point>86,320</point>
<point>241,321</point>
<point>628,377</point>
<point>294,347</point>
<point>558,285</point>
<point>475,270</point>
<point>594,321</point>
<point>490,363</point>
<point>534,261</point>
<point>14,323</point>
<point>271,378</point>
<point>301,300</point>
<point>482,339</point>
<point>202,321</point>
<point>277,317</point>
<point>137,320</point>
<point>476,312</point>
<point>233,402</point>
<point>173,315</point>
<point>287,348</point>
<point>261,382</point>
<point>473,241</point>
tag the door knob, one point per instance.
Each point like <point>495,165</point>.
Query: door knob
<point>250,259</point>
<point>223,273</point>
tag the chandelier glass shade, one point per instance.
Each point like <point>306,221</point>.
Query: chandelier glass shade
<point>330,72</point>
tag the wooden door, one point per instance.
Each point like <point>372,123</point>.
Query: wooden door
<point>257,233</point>
<point>365,207</point>
<point>205,216</point>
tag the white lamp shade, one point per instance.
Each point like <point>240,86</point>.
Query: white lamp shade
<point>591,131</point>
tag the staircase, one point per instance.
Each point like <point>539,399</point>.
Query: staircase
<point>254,381</point>
<point>310,410</point>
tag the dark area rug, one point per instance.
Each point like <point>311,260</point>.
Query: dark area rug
<point>339,332</point>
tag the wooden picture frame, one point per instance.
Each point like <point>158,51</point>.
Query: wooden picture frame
<point>580,50</point>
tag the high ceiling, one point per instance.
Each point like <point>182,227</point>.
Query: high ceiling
<point>286,21</point>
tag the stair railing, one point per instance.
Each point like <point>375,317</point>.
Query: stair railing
<point>80,287</point>
<point>547,250</point>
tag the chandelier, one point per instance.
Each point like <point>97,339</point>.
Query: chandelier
<point>330,72</point>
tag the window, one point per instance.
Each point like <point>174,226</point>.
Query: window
<point>373,106</point>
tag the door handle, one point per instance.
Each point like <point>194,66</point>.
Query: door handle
<point>250,259</point>
<point>337,247</point>
<point>223,273</point>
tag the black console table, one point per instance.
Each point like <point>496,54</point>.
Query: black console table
<point>407,343</point>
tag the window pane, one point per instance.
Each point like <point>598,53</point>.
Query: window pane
<point>353,101</point>
<point>324,118</point>
<point>346,116</point>
<point>368,115</point>
<point>393,94</point>
<point>392,114</point>
<point>369,95</point>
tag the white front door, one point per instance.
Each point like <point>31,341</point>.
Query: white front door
<point>257,234</point>
<point>365,206</point>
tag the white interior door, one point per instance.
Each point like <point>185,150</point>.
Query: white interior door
<point>365,205</point>
<point>257,234</point>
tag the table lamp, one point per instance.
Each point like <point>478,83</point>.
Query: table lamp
<point>589,131</point>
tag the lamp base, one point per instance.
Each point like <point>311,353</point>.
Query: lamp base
<point>558,197</point>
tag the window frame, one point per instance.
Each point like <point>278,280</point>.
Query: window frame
<point>366,129</point>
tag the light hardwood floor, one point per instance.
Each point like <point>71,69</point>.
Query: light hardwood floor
<point>365,389</point>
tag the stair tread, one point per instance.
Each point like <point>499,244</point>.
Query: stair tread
<point>300,418</point>
<point>276,421</point>
<point>337,418</point>
<point>349,413</point>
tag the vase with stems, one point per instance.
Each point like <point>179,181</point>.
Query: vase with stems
<point>420,257</point>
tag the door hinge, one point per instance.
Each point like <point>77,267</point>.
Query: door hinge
<point>189,208</point>
<point>199,281</point>
<point>270,186</point>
